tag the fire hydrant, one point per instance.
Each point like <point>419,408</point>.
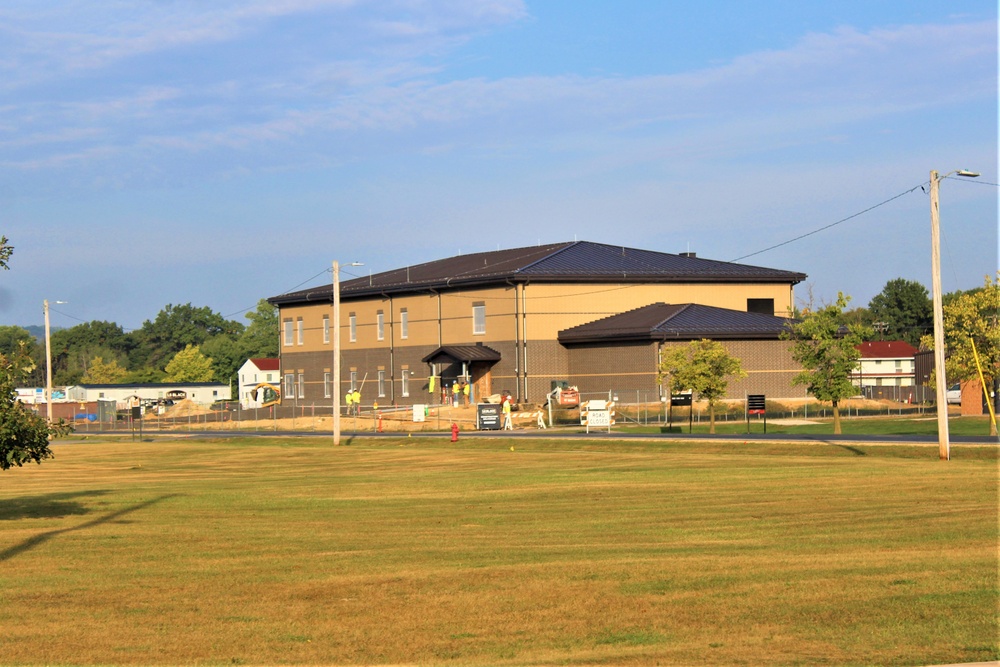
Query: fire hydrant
<point>454,432</point>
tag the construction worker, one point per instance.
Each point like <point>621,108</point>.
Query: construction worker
<point>455,389</point>
<point>506,415</point>
<point>356,395</point>
<point>349,397</point>
<point>465,392</point>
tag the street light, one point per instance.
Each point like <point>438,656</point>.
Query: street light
<point>336,349</point>
<point>48,360</point>
<point>944,448</point>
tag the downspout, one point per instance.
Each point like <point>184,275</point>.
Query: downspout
<point>517,344</point>
<point>392,345</point>
<point>524,340</point>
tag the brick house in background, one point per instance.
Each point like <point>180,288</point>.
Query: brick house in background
<point>887,369</point>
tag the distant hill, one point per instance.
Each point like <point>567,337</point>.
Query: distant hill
<point>38,331</point>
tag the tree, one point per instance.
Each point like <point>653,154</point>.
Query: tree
<point>6,250</point>
<point>828,354</point>
<point>24,435</point>
<point>174,328</point>
<point>227,357</point>
<point>972,316</point>
<point>73,348</point>
<point>902,311</point>
<point>11,340</point>
<point>260,338</point>
<point>189,365</point>
<point>703,366</point>
<point>104,372</point>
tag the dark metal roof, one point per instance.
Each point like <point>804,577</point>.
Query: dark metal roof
<point>459,353</point>
<point>577,261</point>
<point>690,321</point>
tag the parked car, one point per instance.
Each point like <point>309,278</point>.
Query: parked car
<point>954,394</point>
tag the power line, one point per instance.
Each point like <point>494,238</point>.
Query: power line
<point>832,224</point>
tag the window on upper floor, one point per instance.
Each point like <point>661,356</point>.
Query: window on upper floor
<point>289,340</point>
<point>760,306</point>
<point>353,320</point>
<point>302,331</point>
<point>380,319</point>
<point>404,324</point>
<point>478,318</point>
<point>326,328</point>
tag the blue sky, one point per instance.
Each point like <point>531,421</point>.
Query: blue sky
<point>218,153</point>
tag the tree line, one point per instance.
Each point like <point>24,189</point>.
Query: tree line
<point>184,343</point>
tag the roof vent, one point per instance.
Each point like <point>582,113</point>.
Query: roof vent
<point>689,254</point>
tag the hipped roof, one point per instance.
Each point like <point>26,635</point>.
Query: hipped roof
<point>576,261</point>
<point>688,321</point>
<point>460,353</point>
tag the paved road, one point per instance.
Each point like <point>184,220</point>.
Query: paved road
<point>575,434</point>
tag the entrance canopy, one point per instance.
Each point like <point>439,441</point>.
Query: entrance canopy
<point>461,354</point>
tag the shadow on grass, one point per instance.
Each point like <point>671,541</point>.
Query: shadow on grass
<point>32,542</point>
<point>48,506</point>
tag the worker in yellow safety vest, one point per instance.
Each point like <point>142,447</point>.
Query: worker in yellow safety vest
<point>349,397</point>
<point>356,395</point>
<point>455,388</point>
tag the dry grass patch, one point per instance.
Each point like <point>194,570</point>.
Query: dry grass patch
<point>417,551</point>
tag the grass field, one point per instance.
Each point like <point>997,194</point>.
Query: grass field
<point>270,551</point>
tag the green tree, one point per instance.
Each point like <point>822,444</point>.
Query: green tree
<point>104,372</point>
<point>73,348</point>
<point>6,250</point>
<point>972,318</point>
<point>174,328</point>
<point>189,365</point>
<point>24,435</point>
<point>703,366</point>
<point>828,354</point>
<point>12,338</point>
<point>902,311</point>
<point>260,338</point>
<point>227,357</point>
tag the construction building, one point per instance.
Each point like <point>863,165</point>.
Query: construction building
<point>523,319</point>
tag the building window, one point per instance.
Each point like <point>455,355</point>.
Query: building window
<point>289,385</point>
<point>479,318</point>
<point>381,383</point>
<point>326,328</point>
<point>381,325</point>
<point>354,327</point>
<point>405,382</point>
<point>302,330</point>
<point>288,333</point>
<point>404,324</point>
<point>354,380</point>
<point>326,385</point>
<point>302,385</point>
<point>761,306</point>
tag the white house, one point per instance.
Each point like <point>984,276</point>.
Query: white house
<point>254,372</point>
<point>886,363</point>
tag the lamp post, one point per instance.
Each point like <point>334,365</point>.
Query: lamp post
<point>48,360</point>
<point>940,381</point>
<point>336,349</point>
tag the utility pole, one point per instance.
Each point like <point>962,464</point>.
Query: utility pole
<point>336,353</point>
<point>48,362</point>
<point>940,381</point>
<point>336,349</point>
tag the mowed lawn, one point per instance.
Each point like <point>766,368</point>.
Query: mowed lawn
<point>271,551</point>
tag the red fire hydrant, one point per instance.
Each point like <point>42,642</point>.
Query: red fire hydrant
<point>454,432</point>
